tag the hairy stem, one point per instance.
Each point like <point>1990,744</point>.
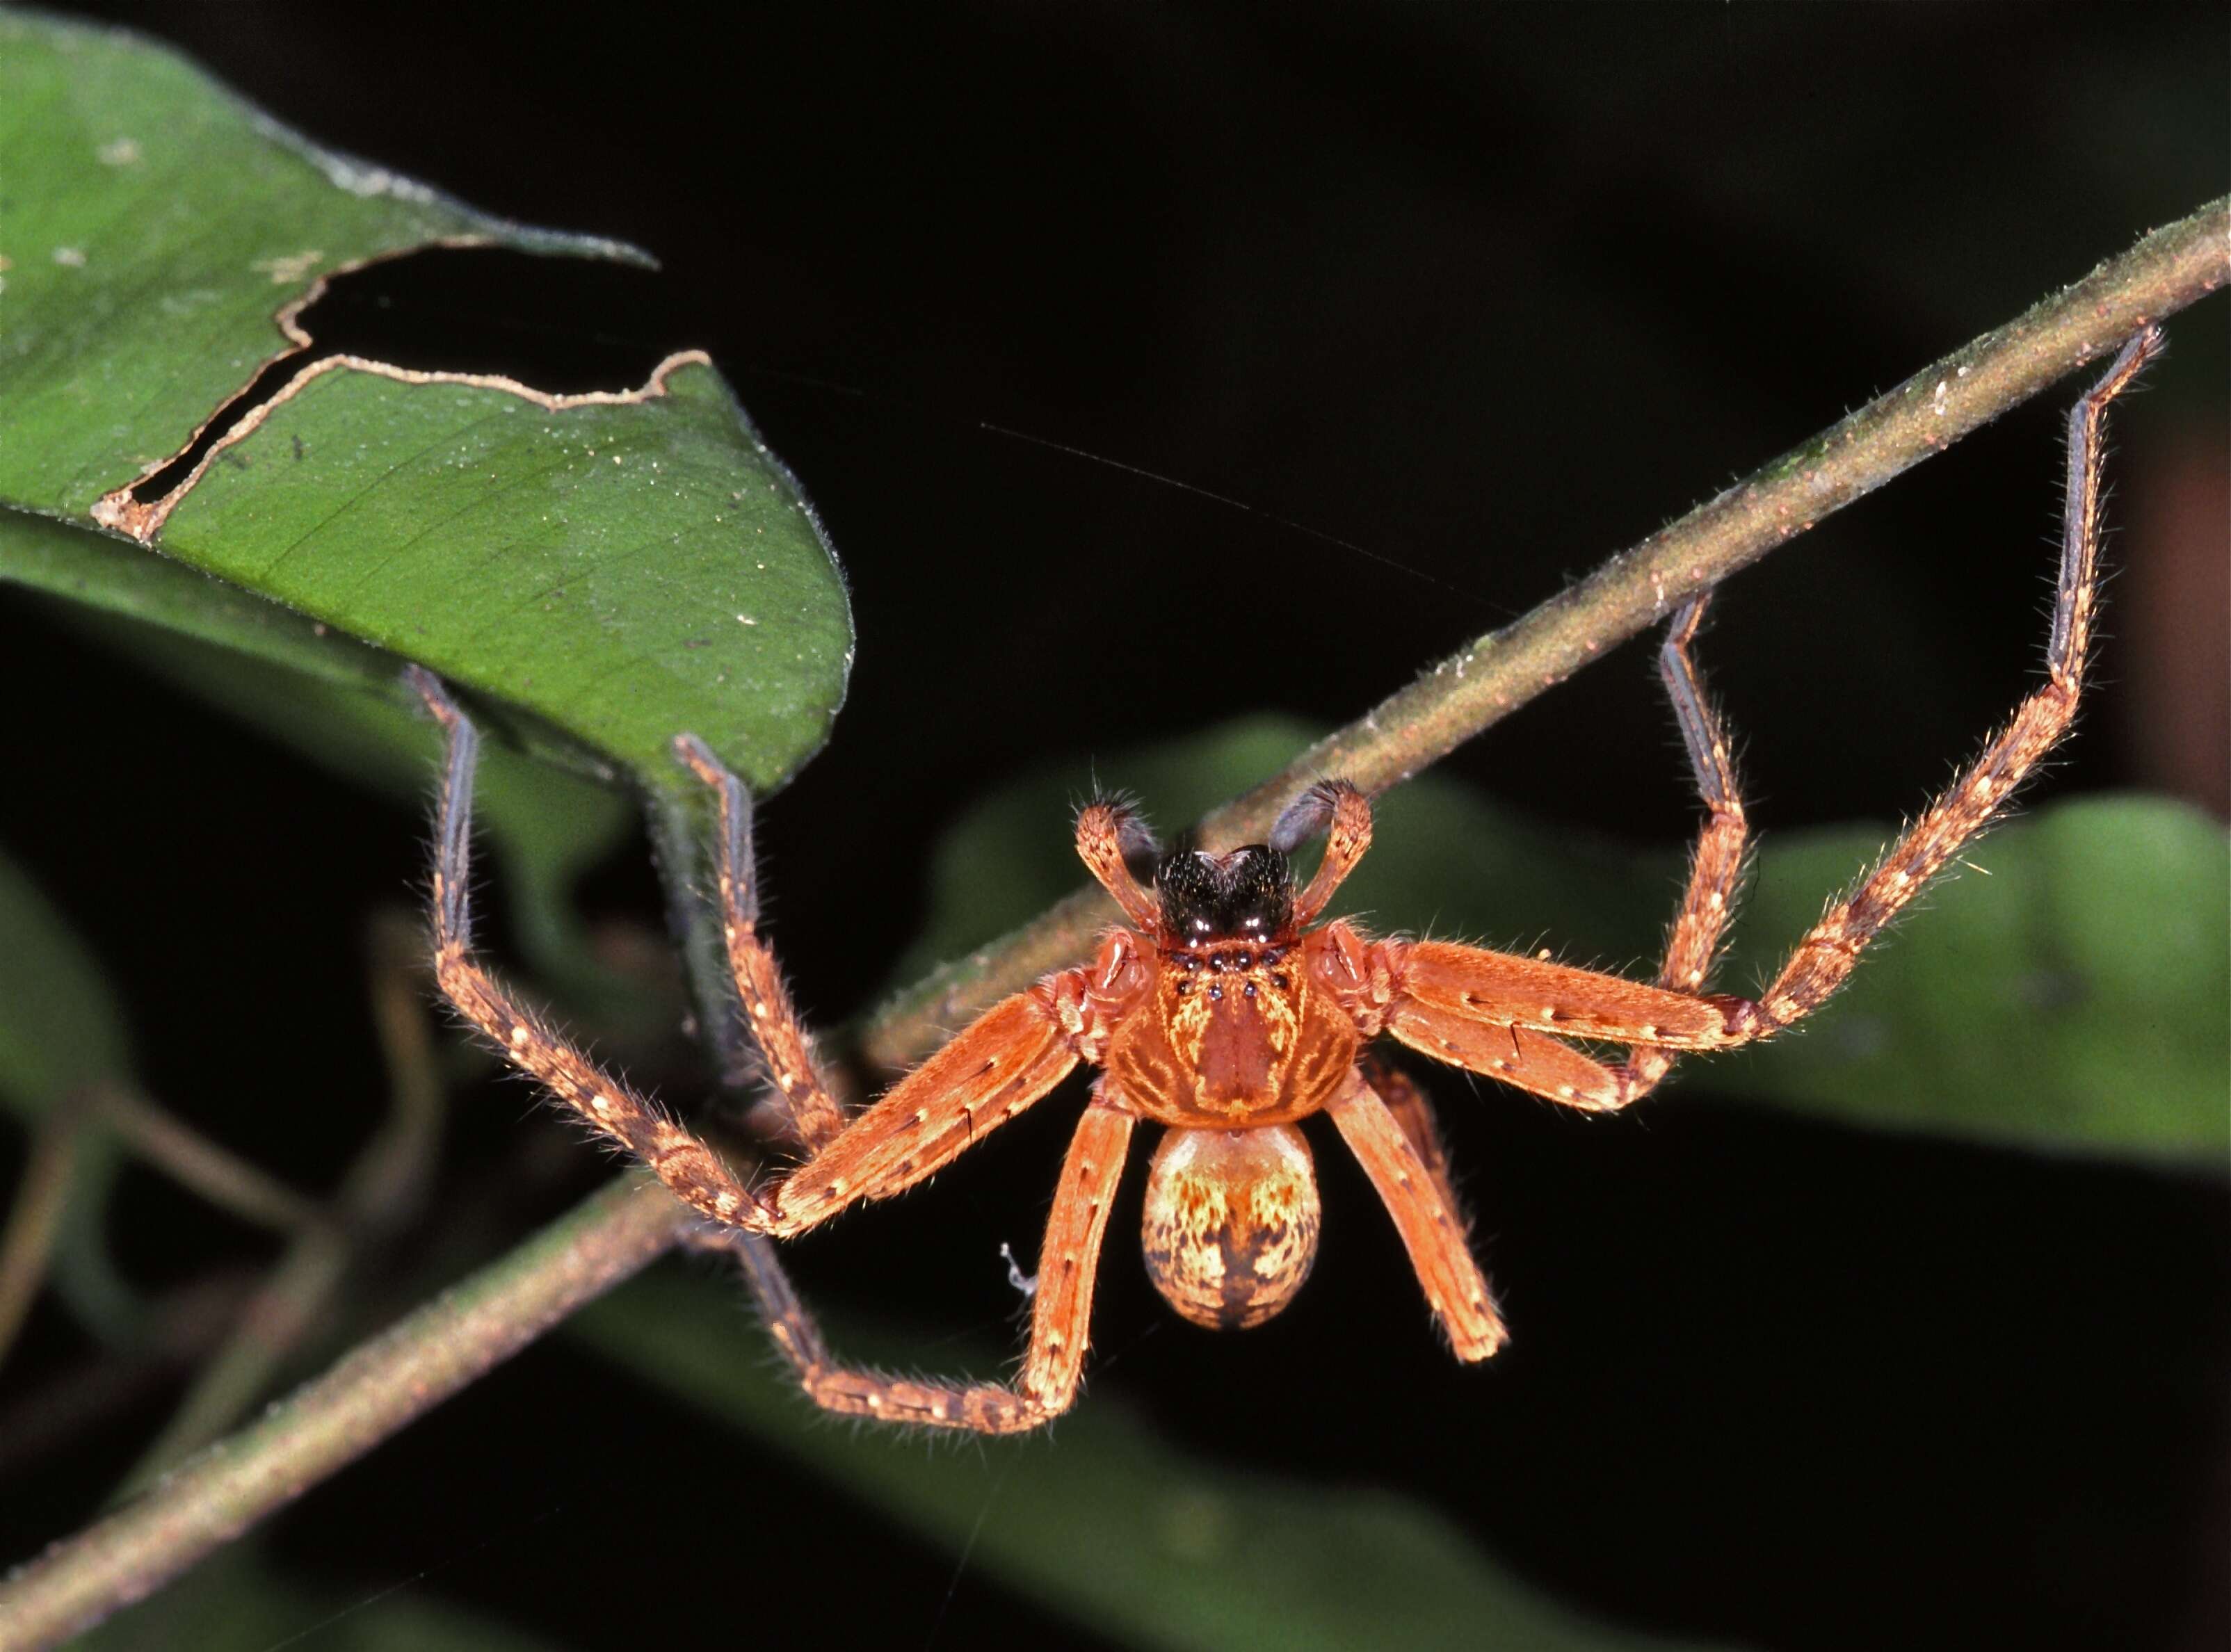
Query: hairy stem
<point>1495,675</point>
<point>435,1351</point>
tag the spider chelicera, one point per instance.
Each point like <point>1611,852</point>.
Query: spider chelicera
<point>1227,1012</point>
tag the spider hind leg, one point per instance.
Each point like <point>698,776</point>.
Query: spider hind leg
<point>1061,1310</point>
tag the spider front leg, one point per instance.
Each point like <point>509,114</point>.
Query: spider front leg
<point>1006,1059</point>
<point>689,1166</point>
<point>1061,1312</point>
<point>786,1048</point>
<point>1502,1015</point>
<point>1716,869</point>
<point>1826,957</point>
<point>1479,1010</point>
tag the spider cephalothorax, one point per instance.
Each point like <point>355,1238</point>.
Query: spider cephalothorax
<point>1227,1012</point>
<point>1231,994</point>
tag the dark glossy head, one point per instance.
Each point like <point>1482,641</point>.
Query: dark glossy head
<point>1245,896</point>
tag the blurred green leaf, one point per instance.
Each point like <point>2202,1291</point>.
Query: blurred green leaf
<point>2077,997</point>
<point>62,1032</point>
<point>623,571</point>
<point>1182,1553</point>
<point>59,1029</point>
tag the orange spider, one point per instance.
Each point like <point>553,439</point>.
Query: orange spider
<point>1227,1014</point>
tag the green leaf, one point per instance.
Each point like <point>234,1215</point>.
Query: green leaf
<point>2077,997</point>
<point>1104,1522</point>
<point>336,702</point>
<point>626,573</point>
<point>622,570</point>
<point>61,1032</point>
<point>156,223</point>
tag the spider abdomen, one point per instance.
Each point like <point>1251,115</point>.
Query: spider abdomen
<point>1231,1221</point>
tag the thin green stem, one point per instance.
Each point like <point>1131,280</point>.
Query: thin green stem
<point>35,1220</point>
<point>221,1176</point>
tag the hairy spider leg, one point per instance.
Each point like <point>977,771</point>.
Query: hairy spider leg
<point>1530,1062</point>
<point>1825,957</point>
<point>1009,1057</point>
<point>691,1169</point>
<point>786,1045</point>
<point>1006,1059</point>
<point>1483,1010</point>
<point>1425,1215</point>
<point>786,1050</point>
<point>1061,1312</point>
<point>1518,1056</point>
<point>1716,869</point>
<point>1415,1114</point>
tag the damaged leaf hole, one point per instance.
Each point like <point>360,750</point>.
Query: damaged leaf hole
<point>558,326</point>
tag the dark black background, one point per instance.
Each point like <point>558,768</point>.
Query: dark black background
<point>1490,296</point>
